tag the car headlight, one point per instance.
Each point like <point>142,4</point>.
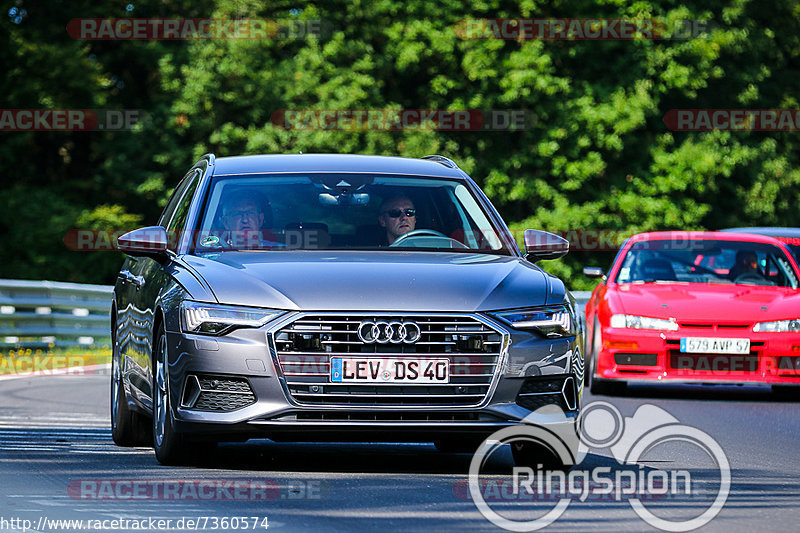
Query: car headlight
<point>551,322</point>
<point>642,322</point>
<point>213,319</point>
<point>779,326</point>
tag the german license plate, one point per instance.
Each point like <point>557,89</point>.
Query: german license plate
<point>374,370</point>
<point>715,345</point>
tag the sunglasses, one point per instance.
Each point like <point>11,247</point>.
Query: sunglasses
<point>395,213</point>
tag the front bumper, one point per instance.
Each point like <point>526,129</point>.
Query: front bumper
<point>251,398</point>
<point>634,355</point>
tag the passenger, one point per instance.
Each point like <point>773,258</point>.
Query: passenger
<point>243,218</point>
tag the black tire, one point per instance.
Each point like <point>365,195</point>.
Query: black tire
<point>536,456</point>
<point>596,386</point>
<point>169,445</point>
<point>128,428</point>
<point>608,388</point>
<point>786,392</point>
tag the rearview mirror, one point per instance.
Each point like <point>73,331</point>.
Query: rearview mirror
<point>541,245</point>
<point>150,241</point>
<point>361,198</point>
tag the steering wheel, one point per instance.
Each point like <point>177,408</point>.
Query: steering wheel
<point>417,232</point>
<point>750,276</point>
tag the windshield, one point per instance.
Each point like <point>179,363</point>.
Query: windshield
<point>706,261</point>
<point>344,211</point>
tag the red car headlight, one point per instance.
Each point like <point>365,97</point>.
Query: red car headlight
<point>779,326</point>
<point>643,322</point>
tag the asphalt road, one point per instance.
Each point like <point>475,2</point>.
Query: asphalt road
<point>58,462</point>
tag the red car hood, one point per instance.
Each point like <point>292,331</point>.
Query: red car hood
<point>706,302</point>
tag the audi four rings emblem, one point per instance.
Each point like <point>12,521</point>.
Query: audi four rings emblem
<point>388,332</point>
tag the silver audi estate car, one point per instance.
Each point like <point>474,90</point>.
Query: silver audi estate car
<point>338,297</point>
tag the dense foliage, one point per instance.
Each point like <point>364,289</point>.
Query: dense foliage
<point>596,155</point>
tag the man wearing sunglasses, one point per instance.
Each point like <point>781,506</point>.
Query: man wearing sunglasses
<point>398,216</point>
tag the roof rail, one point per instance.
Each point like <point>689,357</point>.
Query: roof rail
<point>210,157</point>
<point>449,163</point>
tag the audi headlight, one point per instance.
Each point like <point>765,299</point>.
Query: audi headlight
<point>551,322</point>
<point>780,326</point>
<point>643,322</point>
<point>212,319</point>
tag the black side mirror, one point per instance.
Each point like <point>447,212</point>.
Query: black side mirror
<point>541,245</point>
<point>150,242</point>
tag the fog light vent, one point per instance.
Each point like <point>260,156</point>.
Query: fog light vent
<point>217,393</point>
<point>541,391</point>
<point>569,393</point>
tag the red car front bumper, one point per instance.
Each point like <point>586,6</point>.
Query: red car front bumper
<point>637,354</point>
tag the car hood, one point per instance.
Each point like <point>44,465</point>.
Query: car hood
<point>381,281</point>
<point>706,302</point>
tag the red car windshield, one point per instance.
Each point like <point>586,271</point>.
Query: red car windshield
<point>707,261</point>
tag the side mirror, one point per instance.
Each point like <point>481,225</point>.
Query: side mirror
<point>150,241</point>
<point>540,245</point>
<point>593,272</point>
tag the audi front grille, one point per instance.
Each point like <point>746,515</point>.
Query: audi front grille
<point>305,346</point>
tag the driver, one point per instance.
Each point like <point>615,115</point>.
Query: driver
<point>746,263</point>
<point>398,216</point>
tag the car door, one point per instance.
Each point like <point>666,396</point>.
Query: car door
<point>123,292</point>
<point>147,277</point>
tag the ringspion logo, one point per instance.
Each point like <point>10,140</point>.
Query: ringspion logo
<point>629,440</point>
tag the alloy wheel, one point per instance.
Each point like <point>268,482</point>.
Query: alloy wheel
<point>160,396</point>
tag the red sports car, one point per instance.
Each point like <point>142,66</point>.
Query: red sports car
<point>695,307</point>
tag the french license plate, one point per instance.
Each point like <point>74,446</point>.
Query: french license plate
<point>715,345</point>
<point>366,370</point>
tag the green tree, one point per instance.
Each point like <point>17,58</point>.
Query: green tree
<point>596,154</point>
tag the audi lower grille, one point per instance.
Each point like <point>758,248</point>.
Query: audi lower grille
<point>217,393</point>
<point>307,348</point>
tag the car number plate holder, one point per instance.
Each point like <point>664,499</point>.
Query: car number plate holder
<point>389,371</point>
<point>717,345</point>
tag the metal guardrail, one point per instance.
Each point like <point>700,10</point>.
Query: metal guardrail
<point>46,314</point>
<point>43,314</point>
